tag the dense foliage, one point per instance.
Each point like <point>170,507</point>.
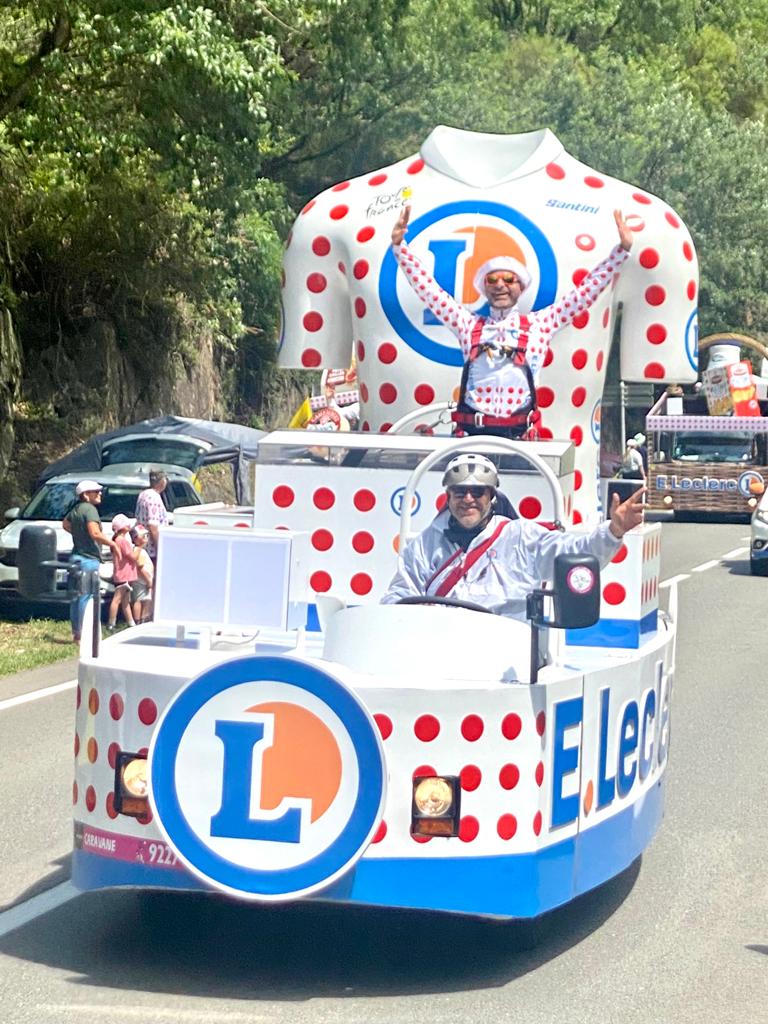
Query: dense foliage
<point>153,153</point>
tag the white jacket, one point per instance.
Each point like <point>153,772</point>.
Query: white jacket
<point>519,561</point>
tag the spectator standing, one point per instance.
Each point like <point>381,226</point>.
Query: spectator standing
<point>84,524</point>
<point>642,449</point>
<point>151,511</point>
<point>141,589</point>
<point>124,570</point>
<point>632,463</point>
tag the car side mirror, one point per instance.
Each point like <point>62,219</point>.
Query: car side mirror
<point>12,513</point>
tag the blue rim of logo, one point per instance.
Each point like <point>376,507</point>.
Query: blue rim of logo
<point>397,495</point>
<point>692,340</point>
<point>744,481</point>
<point>595,424</point>
<point>390,303</point>
<point>348,845</point>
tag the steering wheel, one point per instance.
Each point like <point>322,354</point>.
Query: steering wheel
<point>449,602</point>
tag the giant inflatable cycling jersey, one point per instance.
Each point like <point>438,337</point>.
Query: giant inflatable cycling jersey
<point>475,196</point>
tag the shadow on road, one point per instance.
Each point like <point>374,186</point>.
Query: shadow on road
<point>206,945</point>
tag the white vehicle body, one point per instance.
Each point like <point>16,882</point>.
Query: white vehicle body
<point>281,759</point>
<point>758,541</point>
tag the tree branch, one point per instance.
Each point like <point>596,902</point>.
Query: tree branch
<point>57,37</point>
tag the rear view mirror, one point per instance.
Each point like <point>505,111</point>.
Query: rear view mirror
<point>576,592</point>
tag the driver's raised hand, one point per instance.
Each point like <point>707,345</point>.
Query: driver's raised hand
<point>401,225</point>
<point>626,515</point>
<point>625,233</point>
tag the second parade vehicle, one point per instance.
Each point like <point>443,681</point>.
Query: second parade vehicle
<point>277,734</point>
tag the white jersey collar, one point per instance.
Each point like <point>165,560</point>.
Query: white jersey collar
<point>484,160</point>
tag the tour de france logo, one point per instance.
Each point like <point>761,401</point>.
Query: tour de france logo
<point>267,777</point>
<point>454,240</point>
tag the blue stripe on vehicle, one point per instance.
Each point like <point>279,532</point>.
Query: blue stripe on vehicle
<point>614,632</point>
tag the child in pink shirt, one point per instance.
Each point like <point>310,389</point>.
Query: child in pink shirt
<point>124,570</point>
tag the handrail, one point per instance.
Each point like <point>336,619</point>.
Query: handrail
<point>416,414</point>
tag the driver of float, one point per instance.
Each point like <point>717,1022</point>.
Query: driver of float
<point>471,552</point>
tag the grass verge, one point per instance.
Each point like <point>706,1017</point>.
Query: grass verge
<point>31,644</point>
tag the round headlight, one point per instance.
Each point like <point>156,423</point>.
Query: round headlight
<point>135,777</point>
<point>667,499</point>
<point>433,797</point>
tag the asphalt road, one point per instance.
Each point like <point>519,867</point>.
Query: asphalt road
<point>681,937</point>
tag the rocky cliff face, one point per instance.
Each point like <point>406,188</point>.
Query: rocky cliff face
<point>10,384</point>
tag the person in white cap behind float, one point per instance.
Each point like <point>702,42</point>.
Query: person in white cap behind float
<point>470,552</point>
<point>504,352</point>
<point>84,523</point>
<point>124,571</point>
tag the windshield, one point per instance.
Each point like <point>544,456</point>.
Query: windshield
<point>167,450</point>
<point>703,447</point>
<point>54,500</point>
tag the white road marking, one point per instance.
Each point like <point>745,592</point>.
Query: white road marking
<point>736,553</point>
<point>25,698</point>
<point>146,1014</point>
<point>706,565</point>
<point>674,579</point>
<point>38,905</point>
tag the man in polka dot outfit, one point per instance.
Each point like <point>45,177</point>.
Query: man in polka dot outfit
<point>503,353</point>
<point>469,552</point>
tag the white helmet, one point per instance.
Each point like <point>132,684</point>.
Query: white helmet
<point>469,468</point>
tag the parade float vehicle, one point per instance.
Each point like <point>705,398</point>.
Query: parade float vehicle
<point>277,734</point>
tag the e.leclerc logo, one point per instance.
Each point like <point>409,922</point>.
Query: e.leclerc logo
<point>461,237</point>
<point>267,777</point>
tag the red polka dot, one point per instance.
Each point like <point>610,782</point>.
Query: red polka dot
<point>322,540</point>
<point>585,242</point>
<point>577,517</point>
<point>323,498</point>
<point>342,268</point>
<point>690,291</point>
<point>599,361</point>
<point>592,182</point>
<point>470,777</point>
<point>361,584</point>
<point>110,805</point>
<point>539,773</point>
<point>320,582</point>
<point>509,776</point>
<point>415,167</point>
<point>74,792</point>
<point>649,258</point>
<point>283,496</point>
<point>360,269</point>
<point>112,752</point>
<point>537,823</point>
<point>380,832</point>
<point>529,508</point>
<point>468,829</point>
<point>606,317</point>
<point>377,179</point>
<point>472,728</point>
<point>688,251</point>
<point>421,839</point>
<point>541,723</point>
<point>549,357</point>
<point>620,555</point>
<point>424,394</point>
<point>78,697</point>
<point>321,246</point>
<point>77,744</point>
<point>360,350</point>
<point>90,798</point>
<point>92,750</point>
<point>364,500</point>
<point>362,542</point>
<point>545,397</point>
<point>384,722</point>
<point>577,436</point>
<point>364,391</point>
<point>578,275</point>
<point>309,206</point>
<point>366,425</point>
<point>360,311</point>
<point>578,397</point>
<point>147,711</point>
<point>387,352</point>
<point>640,198</point>
<point>578,480</point>
<point>93,702</point>
<point>656,334</point>
<point>424,771</point>
<point>672,219</point>
<point>654,371</point>
<point>146,818</point>
<point>545,434</point>
<point>614,593</point>
<point>310,357</point>
<point>312,323</point>
<point>581,320</point>
<point>339,212</point>
<point>116,707</point>
<point>507,826</point>
<point>340,187</point>
<point>441,501</point>
<point>655,295</point>
<point>555,171</point>
<point>579,359</point>
<point>316,283</point>
<point>388,394</point>
<point>426,728</point>
<point>511,726</point>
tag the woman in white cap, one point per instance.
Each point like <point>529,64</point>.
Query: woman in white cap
<point>124,571</point>
<point>503,352</point>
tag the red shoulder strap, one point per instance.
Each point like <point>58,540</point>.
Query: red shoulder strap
<point>477,331</point>
<point>460,571</point>
<point>522,341</point>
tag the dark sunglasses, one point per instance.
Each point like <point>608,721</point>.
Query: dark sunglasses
<point>506,278</point>
<point>462,492</point>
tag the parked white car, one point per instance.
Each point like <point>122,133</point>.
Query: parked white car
<point>51,502</point>
<point>758,543</point>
